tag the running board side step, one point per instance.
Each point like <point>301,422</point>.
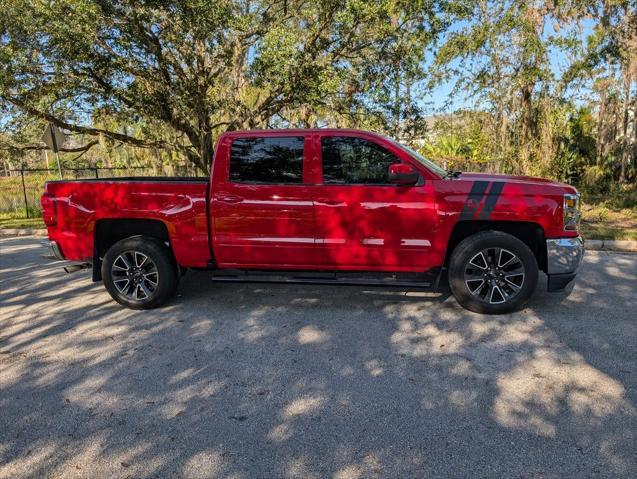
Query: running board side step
<point>401,280</point>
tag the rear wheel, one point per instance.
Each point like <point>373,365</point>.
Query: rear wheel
<point>492,272</point>
<point>139,272</point>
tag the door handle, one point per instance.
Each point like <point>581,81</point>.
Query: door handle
<point>230,199</point>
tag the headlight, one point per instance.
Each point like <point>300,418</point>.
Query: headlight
<point>571,212</point>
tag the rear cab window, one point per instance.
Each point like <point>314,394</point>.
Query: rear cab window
<point>267,160</point>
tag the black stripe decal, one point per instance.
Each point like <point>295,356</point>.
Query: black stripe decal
<point>492,199</point>
<point>473,200</point>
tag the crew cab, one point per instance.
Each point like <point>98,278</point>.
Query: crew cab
<point>320,206</point>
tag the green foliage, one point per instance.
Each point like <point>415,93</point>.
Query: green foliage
<point>155,83</point>
<point>595,179</point>
<point>466,148</point>
<point>194,68</point>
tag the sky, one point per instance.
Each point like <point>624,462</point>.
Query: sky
<point>440,100</point>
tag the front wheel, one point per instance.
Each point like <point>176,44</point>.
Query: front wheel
<point>492,272</point>
<point>139,272</point>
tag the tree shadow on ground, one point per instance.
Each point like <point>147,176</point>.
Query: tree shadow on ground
<point>316,381</point>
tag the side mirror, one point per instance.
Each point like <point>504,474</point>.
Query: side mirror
<point>402,174</point>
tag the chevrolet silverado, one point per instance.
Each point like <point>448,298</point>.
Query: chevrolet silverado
<point>321,206</point>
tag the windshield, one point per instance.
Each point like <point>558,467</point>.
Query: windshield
<point>430,165</point>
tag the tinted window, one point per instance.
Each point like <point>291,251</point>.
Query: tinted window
<point>355,161</point>
<point>267,160</point>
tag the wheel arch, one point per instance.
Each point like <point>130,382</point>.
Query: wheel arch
<point>110,231</point>
<point>531,234</point>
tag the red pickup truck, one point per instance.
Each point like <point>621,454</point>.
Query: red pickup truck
<point>320,206</point>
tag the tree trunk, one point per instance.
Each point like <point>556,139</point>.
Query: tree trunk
<point>206,151</point>
<point>525,127</point>
<point>157,163</point>
<point>601,121</point>
<point>625,142</point>
<point>397,105</point>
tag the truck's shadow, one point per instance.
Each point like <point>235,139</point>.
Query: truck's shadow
<point>277,380</point>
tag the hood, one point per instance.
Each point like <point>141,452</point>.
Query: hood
<point>522,180</point>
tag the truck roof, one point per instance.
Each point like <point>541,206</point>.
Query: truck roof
<point>304,131</point>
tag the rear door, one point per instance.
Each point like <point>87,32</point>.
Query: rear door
<point>262,213</point>
<point>364,222</point>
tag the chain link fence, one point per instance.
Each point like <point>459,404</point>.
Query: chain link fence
<point>21,189</point>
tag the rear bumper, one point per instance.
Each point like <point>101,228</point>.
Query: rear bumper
<point>54,250</point>
<point>564,256</point>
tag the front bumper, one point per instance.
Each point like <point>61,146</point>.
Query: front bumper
<point>563,258</point>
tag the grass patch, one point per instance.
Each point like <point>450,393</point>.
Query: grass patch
<point>14,220</point>
<point>608,218</point>
<point>31,223</point>
<point>12,195</point>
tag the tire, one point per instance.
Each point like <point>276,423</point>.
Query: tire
<point>492,272</point>
<point>140,272</point>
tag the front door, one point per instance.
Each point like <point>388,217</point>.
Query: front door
<point>363,221</point>
<point>262,213</point>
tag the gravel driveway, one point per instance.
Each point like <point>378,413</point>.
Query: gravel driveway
<point>283,381</point>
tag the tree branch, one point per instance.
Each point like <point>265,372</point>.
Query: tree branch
<point>80,129</point>
<point>83,148</point>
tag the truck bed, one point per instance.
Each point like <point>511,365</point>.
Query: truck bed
<point>177,205</point>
